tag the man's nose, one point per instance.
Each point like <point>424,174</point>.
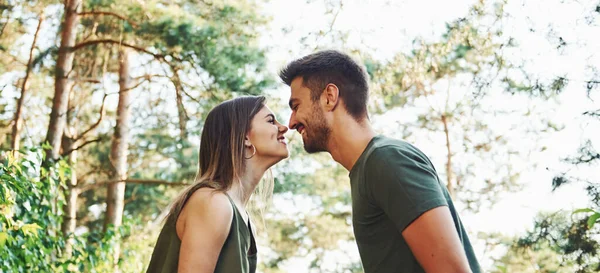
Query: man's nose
<point>293,122</point>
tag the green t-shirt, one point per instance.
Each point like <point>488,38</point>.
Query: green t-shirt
<point>392,184</point>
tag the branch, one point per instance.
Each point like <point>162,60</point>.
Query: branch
<point>7,21</point>
<point>144,78</point>
<point>130,181</point>
<point>85,175</point>
<point>97,122</point>
<point>136,85</point>
<point>82,145</point>
<point>99,13</point>
<point>16,132</point>
<point>89,80</point>
<point>188,95</point>
<point>110,41</point>
<point>335,16</point>
<point>594,113</point>
<point>150,76</point>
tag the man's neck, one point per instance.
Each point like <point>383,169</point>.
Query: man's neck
<point>348,141</point>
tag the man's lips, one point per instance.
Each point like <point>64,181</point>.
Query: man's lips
<point>300,128</point>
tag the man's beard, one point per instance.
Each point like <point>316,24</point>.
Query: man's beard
<point>317,133</point>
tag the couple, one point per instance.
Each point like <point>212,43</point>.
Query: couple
<point>403,217</point>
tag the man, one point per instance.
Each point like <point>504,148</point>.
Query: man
<point>403,217</point>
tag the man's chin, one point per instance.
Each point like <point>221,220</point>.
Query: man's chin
<point>313,149</point>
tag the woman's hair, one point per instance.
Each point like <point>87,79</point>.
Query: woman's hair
<point>222,147</point>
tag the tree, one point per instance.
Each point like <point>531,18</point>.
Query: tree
<point>18,122</point>
<point>62,85</point>
<point>201,52</point>
<point>570,238</point>
<point>120,147</point>
<point>446,91</point>
<point>555,244</point>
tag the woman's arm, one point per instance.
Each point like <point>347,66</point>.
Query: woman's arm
<point>203,230</point>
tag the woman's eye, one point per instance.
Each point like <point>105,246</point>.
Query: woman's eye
<point>272,121</point>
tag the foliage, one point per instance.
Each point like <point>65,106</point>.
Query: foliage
<point>557,243</point>
<point>30,235</point>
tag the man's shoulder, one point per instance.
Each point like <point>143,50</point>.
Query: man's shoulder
<point>386,149</point>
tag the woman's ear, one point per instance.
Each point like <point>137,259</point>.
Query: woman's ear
<point>247,142</point>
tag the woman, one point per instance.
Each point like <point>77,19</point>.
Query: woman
<point>208,229</point>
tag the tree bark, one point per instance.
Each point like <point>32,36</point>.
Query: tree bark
<point>449,173</point>
<point>18,121</point>
<point>120,144</point>
<point>118,153</point>
<point>70,208</point>
<point>180,107</point>
<point>69,140</point>
<point>62,85</point>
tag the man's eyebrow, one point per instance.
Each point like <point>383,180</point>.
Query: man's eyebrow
<point>292,101</point>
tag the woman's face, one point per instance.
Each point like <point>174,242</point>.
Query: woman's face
<point>266,134</point>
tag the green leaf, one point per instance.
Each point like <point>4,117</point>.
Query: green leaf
<point>3,239</point>
<point>46,146</point>
<point>30,229</point>
<point>593,219</point>
<point>582,210</point>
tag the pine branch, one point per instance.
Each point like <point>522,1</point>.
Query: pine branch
<point>592,113</point>
<point>108,13</point>
<point>82,145</point>
<point>95,125</point>
<point>111,41</point>
<point>88,187</point>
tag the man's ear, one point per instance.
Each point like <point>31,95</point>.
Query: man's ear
<point>330,97</point>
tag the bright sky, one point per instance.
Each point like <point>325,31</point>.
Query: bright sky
<point>384,28</point>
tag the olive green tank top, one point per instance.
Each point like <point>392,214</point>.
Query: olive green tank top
<point>237,255</point>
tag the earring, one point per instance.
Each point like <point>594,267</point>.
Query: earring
<point>253,152</point>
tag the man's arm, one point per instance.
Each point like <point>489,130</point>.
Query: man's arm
<point>433,240</point>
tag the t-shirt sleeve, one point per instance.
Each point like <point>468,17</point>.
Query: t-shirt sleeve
<point>403,183</point>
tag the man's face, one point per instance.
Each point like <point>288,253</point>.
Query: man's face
<point>308,118</point>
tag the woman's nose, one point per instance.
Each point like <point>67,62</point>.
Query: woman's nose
<point>283,129</point>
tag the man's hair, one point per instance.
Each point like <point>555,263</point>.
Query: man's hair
<point>331,66</point>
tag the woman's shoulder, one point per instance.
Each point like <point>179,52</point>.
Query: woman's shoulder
<point>208,208</point>
<point>210,200</point>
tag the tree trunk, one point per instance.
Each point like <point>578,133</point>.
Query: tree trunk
<point>18,121</point>
<point>120,143</point>
<point>70,207</point>
<point>449,184</point>
<point>69,140</point>
<point>180,107</point>
<point>62,85</point>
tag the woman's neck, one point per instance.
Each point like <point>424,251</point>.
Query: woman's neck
<point>242,190</point>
